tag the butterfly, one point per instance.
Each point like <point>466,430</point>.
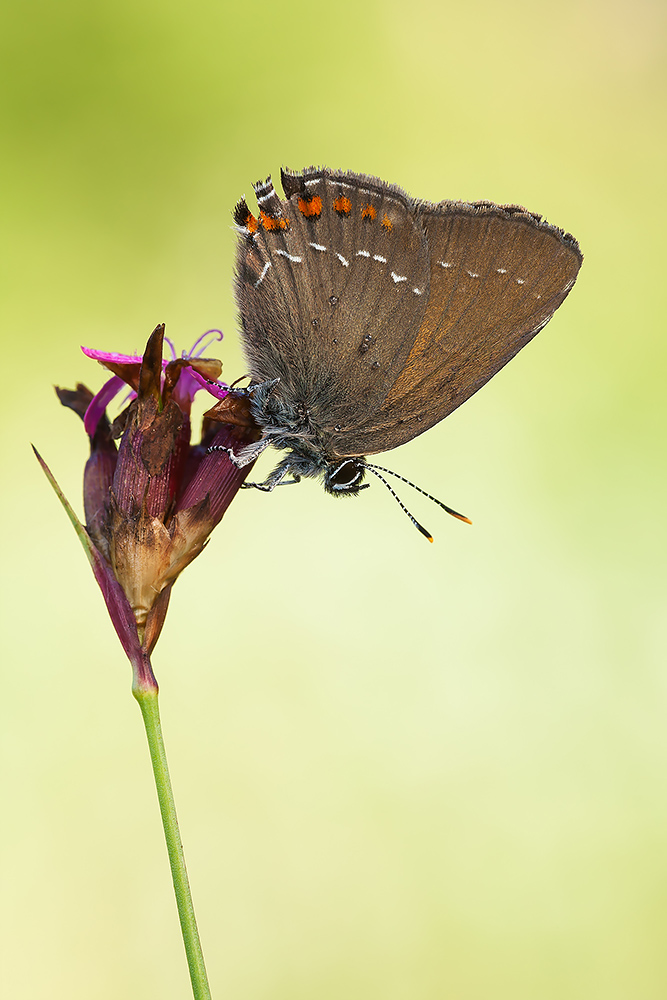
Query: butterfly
<point>368,316</point>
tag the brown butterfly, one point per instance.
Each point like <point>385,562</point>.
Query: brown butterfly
<point>369,316</point>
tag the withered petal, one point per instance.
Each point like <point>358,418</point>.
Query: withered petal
<point>235,409</point>
<point>209,368</point>
<point>78,399</point>
<point>128,371</point>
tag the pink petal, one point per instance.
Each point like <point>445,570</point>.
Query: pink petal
<point>99,403</point>
<point>185,389</point>
<point>119,359</point>
<point>217,389</point>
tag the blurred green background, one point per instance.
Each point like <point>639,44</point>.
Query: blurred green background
<point>402,770</point>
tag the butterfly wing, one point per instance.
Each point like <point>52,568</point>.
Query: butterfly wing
<point>325,306</point>
<point>379,314</point>
<point>497,275</point>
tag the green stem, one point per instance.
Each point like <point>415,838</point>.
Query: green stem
<point>147,696</point>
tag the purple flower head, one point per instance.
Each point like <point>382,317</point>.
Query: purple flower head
<point>152,500</point>
<point>179,373</point>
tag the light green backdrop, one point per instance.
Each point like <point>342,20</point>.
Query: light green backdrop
<point>403,770</point>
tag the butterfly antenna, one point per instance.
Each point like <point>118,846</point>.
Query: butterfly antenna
<point>418,526</point>
<point>444,506</point>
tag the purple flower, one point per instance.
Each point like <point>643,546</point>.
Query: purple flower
<point>152,501</point>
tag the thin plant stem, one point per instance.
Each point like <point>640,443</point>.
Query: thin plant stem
<point>147,696</point>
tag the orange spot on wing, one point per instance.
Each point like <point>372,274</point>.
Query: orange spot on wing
<point>368,212</point>
<point>244,218</point>
<point>272,222</point>
<point>342,205</point>
<point>387,224</point>
<point>310,207</point>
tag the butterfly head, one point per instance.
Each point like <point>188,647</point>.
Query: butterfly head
<point>345,477</point>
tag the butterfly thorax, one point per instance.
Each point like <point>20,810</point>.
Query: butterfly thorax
<point>289,426</point>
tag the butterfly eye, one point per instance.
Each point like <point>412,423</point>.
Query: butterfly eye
<point>345,477</point>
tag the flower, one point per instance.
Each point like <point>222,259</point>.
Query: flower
<point>152,501</point>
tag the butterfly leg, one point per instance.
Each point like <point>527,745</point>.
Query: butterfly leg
<point>246,455</point>
<point>268,486</point>
<point>233,457</point>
